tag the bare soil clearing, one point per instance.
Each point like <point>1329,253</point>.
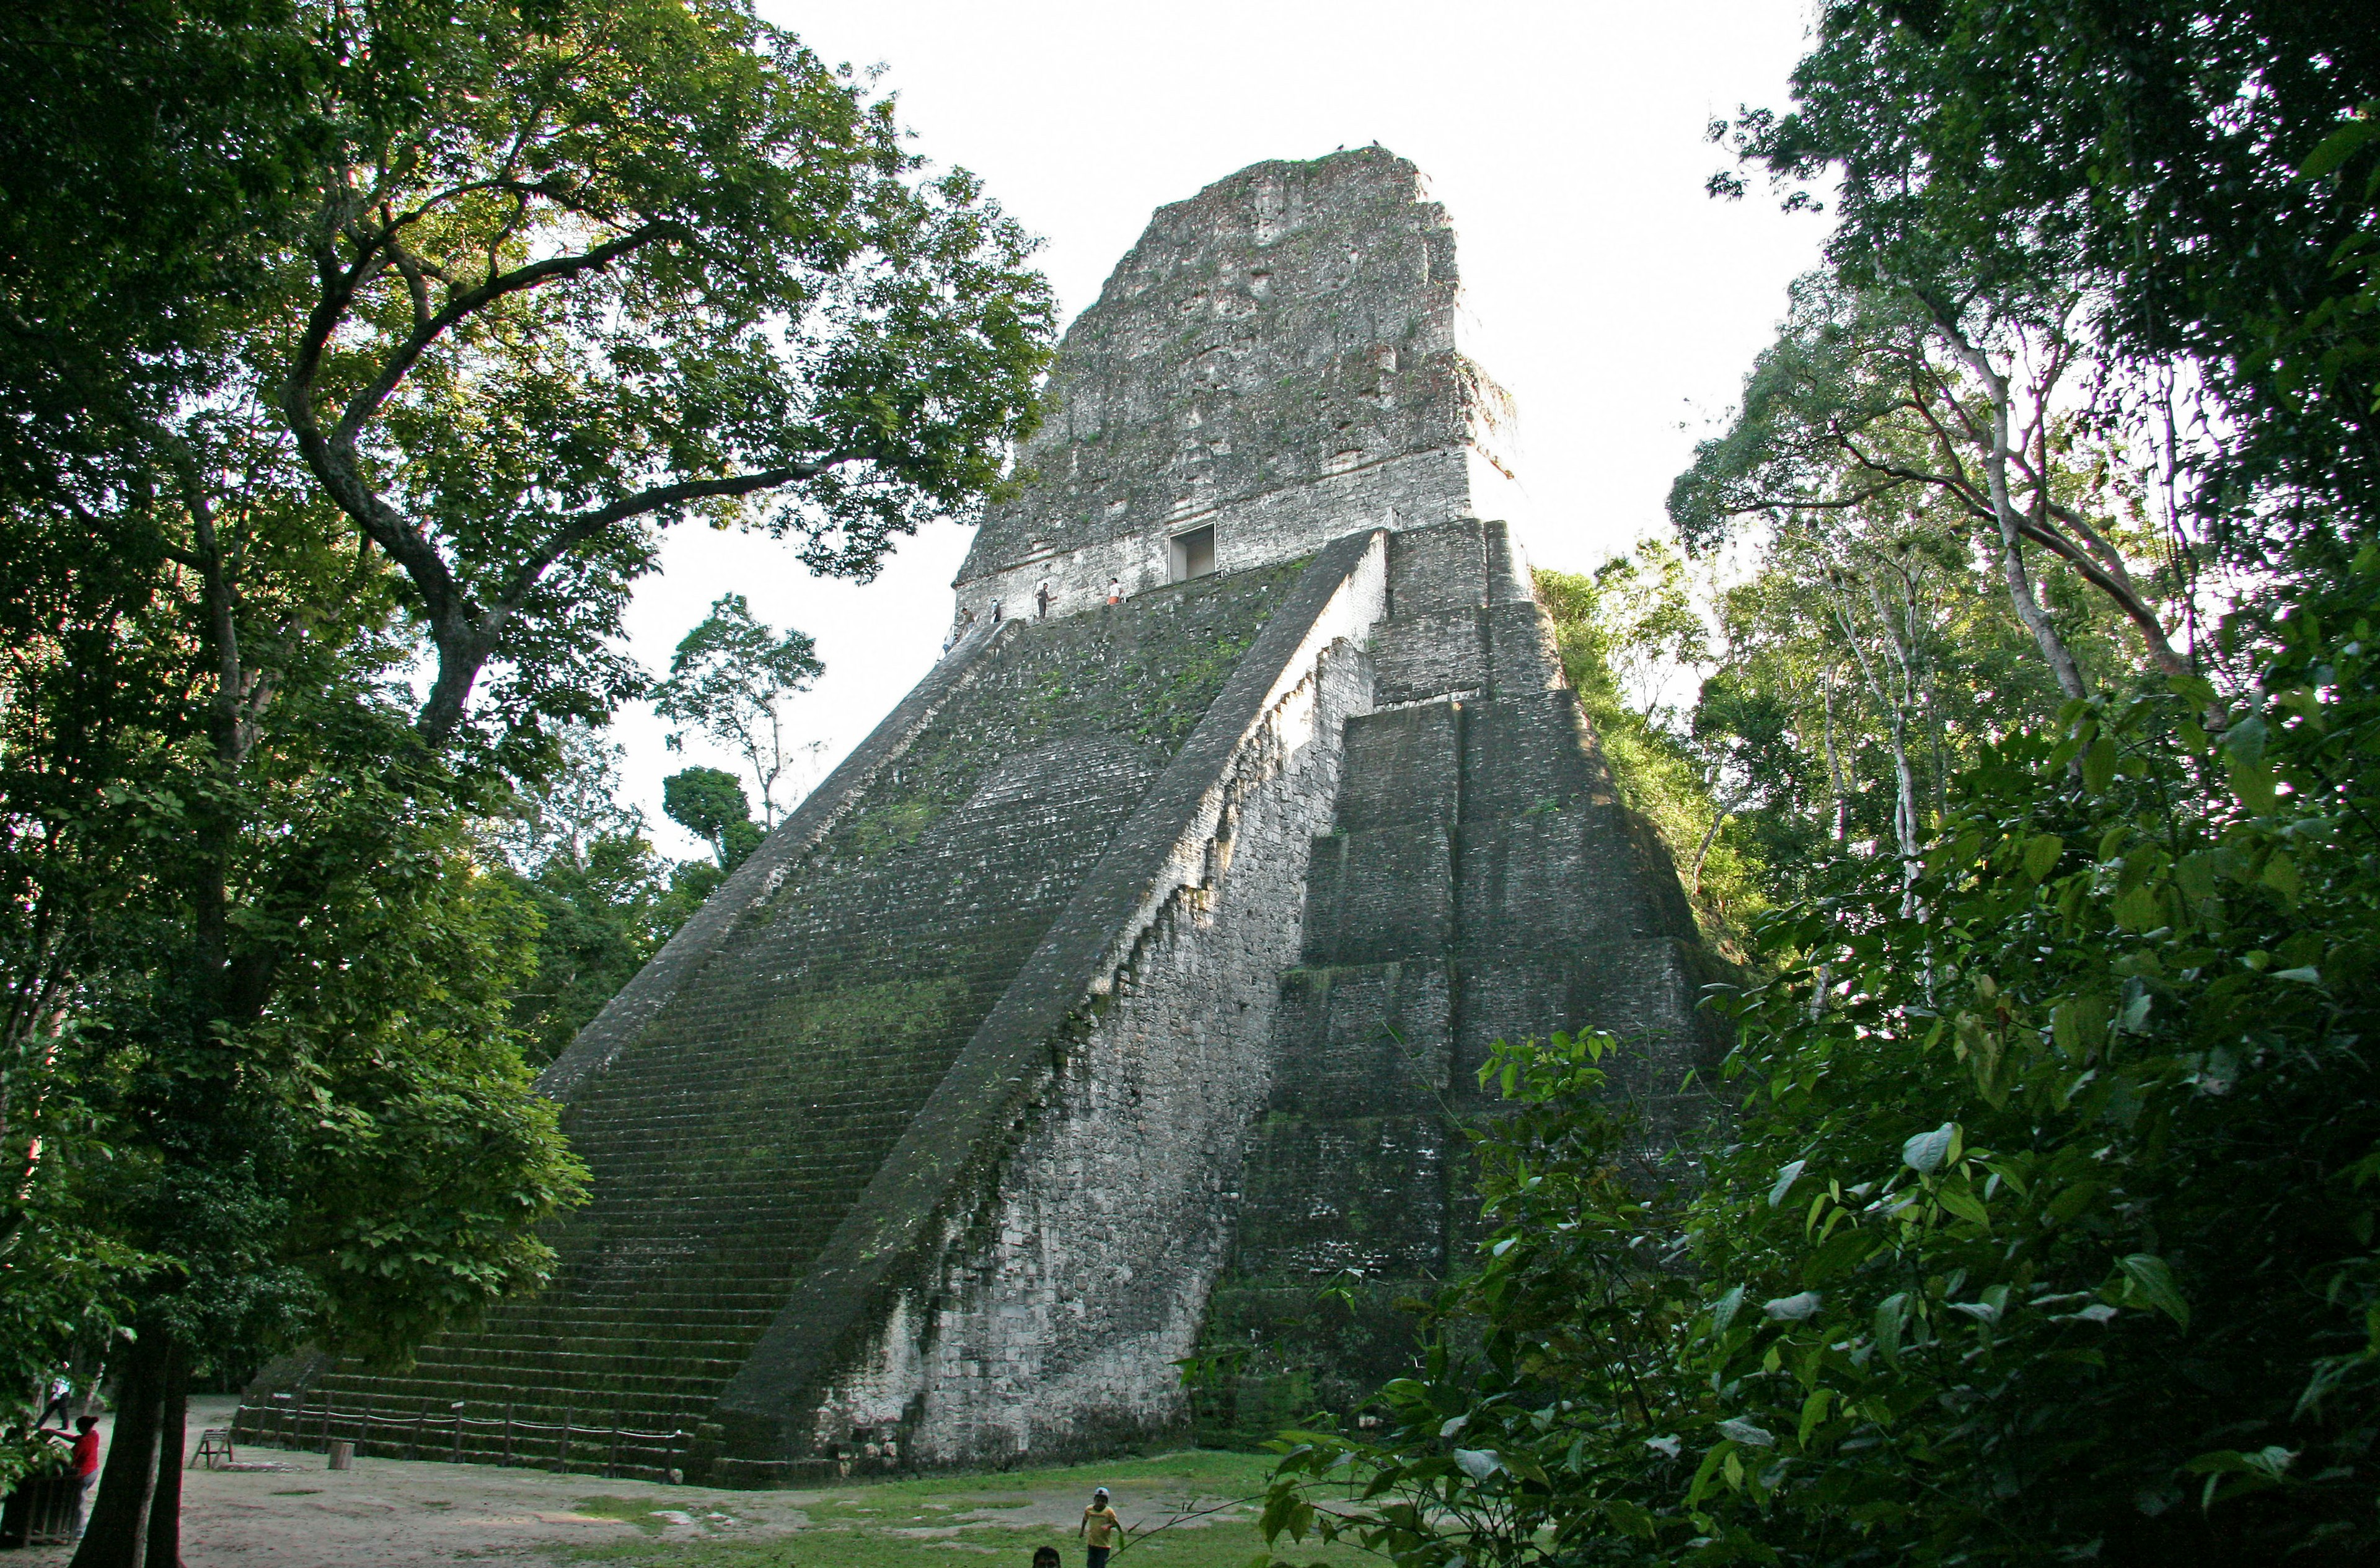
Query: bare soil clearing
<point>286,1509</point>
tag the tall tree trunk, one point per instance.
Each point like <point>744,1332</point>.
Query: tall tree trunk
<point>166,1503</point>
<point>2036,619</point>
<point>1835,785</point>
<point>118,1534</point>
<point>1997,458</point>
<point>1895,707</point>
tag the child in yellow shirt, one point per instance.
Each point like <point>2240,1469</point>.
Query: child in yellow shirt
<point>1100,1526</point>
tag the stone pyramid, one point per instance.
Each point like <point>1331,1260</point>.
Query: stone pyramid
<point>1120,991</point>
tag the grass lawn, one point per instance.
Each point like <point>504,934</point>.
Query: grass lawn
<point>953,1521</point>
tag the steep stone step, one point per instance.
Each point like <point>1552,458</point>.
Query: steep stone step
<point>754,1101</point>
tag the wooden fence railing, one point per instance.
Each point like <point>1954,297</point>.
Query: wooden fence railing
<point>611,1450</point>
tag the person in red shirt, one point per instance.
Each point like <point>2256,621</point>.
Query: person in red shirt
<point>86,1468</point>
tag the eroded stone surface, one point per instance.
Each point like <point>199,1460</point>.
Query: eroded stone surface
<point>1117,998</point>
<point>1277,360</point>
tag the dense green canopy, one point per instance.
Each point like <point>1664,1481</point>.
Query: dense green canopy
<point>351,360</point>
<point>2038,1219</point>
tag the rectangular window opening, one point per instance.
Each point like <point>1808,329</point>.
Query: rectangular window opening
<point>1193,554</point>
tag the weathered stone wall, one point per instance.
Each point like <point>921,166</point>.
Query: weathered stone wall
<point>1478,883</point>
<point>764,1071</point>
<point>1087,1272</point>
<point>1277,358</point>
<point>915,1310</point>
<point>1119,992</point>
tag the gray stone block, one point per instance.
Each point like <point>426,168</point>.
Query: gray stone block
<point>1403,766</point>
<point>1382,895</point>
<point>1443,653</point>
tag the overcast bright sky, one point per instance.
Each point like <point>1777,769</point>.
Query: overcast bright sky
<point>1616,302</point>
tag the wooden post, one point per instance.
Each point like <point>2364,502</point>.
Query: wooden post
<point>458,1432</point>
<point>421,1426</point>
<point>508,1435</point>
<point>566,1413</point>
<point>611,1454</point>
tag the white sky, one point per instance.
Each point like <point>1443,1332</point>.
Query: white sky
<point>1618,304</point>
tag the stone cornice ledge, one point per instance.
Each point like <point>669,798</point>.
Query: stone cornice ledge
<point>957,1139</point>
<point>657,983</point>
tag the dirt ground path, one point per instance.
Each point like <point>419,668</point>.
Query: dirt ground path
<point>289,1510</point>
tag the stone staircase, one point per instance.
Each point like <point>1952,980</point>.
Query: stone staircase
<point>730,1135</point>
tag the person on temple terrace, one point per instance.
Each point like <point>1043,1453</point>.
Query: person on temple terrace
<point>1100,1525</point>
<point>86,1468</point>
<point>61,1401</point>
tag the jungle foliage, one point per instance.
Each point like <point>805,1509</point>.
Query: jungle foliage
<point>2045,563</point>
<point>351,359</point>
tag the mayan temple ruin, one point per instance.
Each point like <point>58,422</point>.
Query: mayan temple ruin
<point>1122,990</point>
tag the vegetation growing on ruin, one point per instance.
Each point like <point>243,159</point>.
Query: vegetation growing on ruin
<point>1636,615</point>
<point>2040,682</point>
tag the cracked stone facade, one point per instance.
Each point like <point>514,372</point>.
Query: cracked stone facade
<point>1120,992</point>
<point>1277,360</point>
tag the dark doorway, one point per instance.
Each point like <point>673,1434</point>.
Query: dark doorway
<point>1194,553</point>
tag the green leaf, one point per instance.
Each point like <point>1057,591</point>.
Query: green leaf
<point>2138,910</point>
<point>1785,1180</point>
<point>1723,1310</point>
<point>1813,1412</point>
<point>1925,1152</point>
<point>2250,772</point>
<point>1965,1205</point>
<point>2099,766</point>
<point>1479,1464</point>
<point>2147,1275</point>
<point>2072,1201</point>
<point>2041,854</point>
<point>2078,1026</point>
<point>1891,1321</point>
<point>2337,147</point>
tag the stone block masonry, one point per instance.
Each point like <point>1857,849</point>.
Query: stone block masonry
<point>1477,882</point>
<point>1276,361</point>
<point>1117,1002</point>
<point>734,1120</point>
<point>1045,1234</point>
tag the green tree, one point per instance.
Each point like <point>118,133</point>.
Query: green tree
<point>2044,1228</point>
<point>386,337</point>
<point>729,680</point>
<point>605,900</point>
<point>1917,396</point>
<point>710,803</point>
<point>2146,161</point>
